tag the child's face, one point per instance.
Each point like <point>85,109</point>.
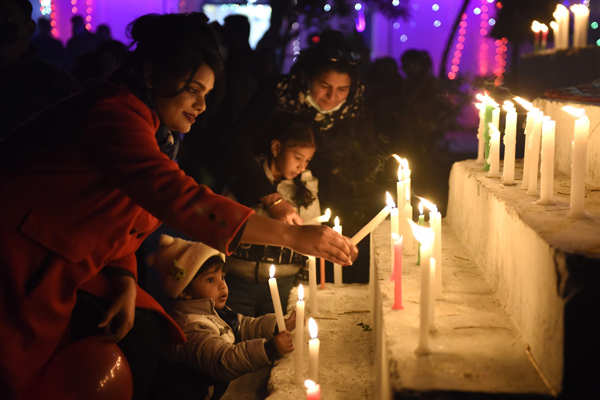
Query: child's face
<point>210,285</point>
<point>291,161</point>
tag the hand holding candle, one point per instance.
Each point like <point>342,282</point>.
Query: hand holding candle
<point>313,350</point>
<point>276,299</point>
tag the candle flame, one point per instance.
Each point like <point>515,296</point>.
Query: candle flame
<point>420,207</point>
<point>310,384</point>
<point>300,292</point>
<point>272,271</point>
<point>486,99</point>
<point>535,26</point>
<point>336,221</point>
<point>423,234</point>
<point>327,214</point>
<point>524,103</point>
<point>313,329</point>
<point>403,168</point>
<point>508,105</point>
<point>554,25</point>
<point>544,28</point>
<point>398,239</point>
<point>397,158</point>
<point>580,9</point>
<point>574,111</point>
<point>560,12</point>
<point>389,200</point>
<point>428,204</point>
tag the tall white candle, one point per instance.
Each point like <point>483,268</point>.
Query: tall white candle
<point>578,160</point>
<point>424,236</point>
<point>561,15</point>
<point>403,191</point>
<point>555,32</point>
<point>534,156</point>
<point>299,336</point>
<point>313,350</point>
<point>547,164</point>
<point>529,123</point>
<point>374,223</point>
<point>403,176</point>
<point>337,268</point>
<point>480,129</point>
<point>435,222</point>
<point>581,14</point>
<point>276,299</point>
<point>432,272</point>
<point>494,158</point>
<point>510,141</point>
<point>312,285</point>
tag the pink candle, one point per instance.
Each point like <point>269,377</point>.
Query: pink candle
<point>313,391</point>
<point>322,265</point>
<point>397,273</point>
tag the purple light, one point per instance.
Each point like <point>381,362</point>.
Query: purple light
<point>360,21</point>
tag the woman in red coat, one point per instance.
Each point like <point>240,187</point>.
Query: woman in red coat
<point>82,186</point>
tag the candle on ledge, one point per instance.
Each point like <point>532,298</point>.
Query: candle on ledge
<point>432,273</point>
<point>374,223</point>
<point>312,285</point>
<point>313,391</point>
<point>529,122</point>
<point>424,236</point>
<point>534,156</point>
<point>492,114</point>
<point>480,140</point>
<point>561,15</point>
<point>544,30</point>
<point>420,221</point>
<point>401,183</point>
<point>337,268</point>
<point>581,16</point>
<point>405,209</point>
<point>299,335</point>
<point>397,273</point>
<point>535,28</point>
<point>321,218</point>
<point>435,222</point>
<point>276,299</point>
<point>547,164</point>
<point>578,160</point>
<point>322,272</point>
<point>313,350</point>
<point>510,141</point>
<point>555,33</point>
<point>494,159</point>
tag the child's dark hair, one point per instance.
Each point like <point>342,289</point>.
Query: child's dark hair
<point>174,46</point>
<point>215,262</point>
<point>292,130</point>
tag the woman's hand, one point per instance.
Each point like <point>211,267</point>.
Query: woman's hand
<point>322,241</point>
<point>118,319</point>
<point>290,321</point>
<point>285,212</point>
<point>283,342</point>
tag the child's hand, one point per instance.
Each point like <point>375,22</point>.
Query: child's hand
<point>283,342</point>
<point>290,321</point>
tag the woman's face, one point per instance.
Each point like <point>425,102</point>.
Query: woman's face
<point>330,89</point>
<point>290,161</point>
<point>180,112</point>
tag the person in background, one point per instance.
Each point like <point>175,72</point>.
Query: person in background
<point>46,46</point>
<point>222,345</point>
<point>81,42</point>
<point>275,182</point>
<point>86,182</point>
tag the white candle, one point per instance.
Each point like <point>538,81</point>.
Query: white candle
<point>313,350</point>
<point>312,285</point>
<point>494,158</point>
<point>401,183</point>
<point>555,33</point>
<point>578,160</point>
<point>529,123</point>
<point>581,14</point>
<point>425,237</point>
<point>313,391</point>
<point>534,156</point>
<point>547,164</point>
<point>432,272</point>
<point>374,223</point>
<point>321,218</point>
<point>435,222</point>
<point>561,14</point>
<point>510,141</point>
<point>276,299</point>
<point>299,335</point>
<point>337,268</point>
<point>480,129</point>
<point>404,207</point>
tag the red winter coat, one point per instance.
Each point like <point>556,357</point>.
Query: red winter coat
<point>79,191</point>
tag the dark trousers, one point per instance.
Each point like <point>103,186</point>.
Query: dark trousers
<point>254,299</point>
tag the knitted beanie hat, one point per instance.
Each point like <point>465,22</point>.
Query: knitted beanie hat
<point>177,262</point>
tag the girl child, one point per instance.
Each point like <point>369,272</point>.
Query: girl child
<point>277,183</point>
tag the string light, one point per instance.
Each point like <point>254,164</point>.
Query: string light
<point>460,45</point>
<point>88,15</point>
<point>47,7</point>
<point>501,51</point>
<point>483,46</point>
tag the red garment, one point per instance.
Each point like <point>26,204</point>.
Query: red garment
<point>73,206</point>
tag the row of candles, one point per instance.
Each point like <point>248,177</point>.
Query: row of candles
<point>560,27</point>
<point>540,131</point>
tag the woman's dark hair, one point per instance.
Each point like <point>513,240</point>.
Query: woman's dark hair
<point>174,46</point>
<point>292,130</point>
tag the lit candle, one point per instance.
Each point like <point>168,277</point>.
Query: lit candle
<point>420,221</point>
<point>581,14</point>
<point>578,160</point>
<point>397,273</point>
<point>561,15</point>
<point>337,268</point>
<point>529,123</point>
<point>400,184</point>
<point>534,156</point>
<point>535,27</point>
<point>544,29</point>
<point>313,391</point>
<point>276,299</point>
<point>432,273</point>
<point>510,141</point>
<point>547,164</point>
<point>405,209</point>
<point>299,335</point>
<point>492,114</point>
<point>494,158</point>
<point>435,222</point>
<point>312,284</point>
<point>313,350</point>
<point>480,129</point>
<point>322,272</point>
<point>424,236</point>
<point>321,218</point>
<point>374,223</point>
<point>555,33</point>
